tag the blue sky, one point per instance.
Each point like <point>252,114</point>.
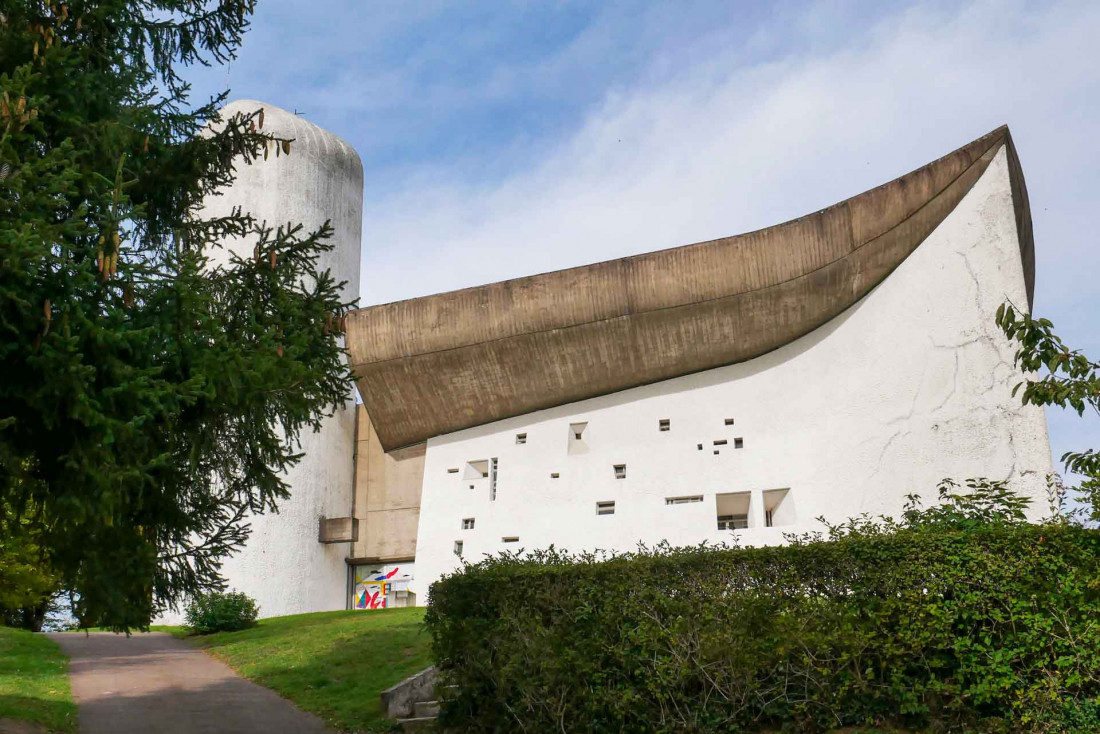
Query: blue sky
<point>505,138</point>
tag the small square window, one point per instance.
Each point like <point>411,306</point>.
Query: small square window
<point>620,471</point>
<point>729,421</point>
<point>739,443</point>
<point>778,508</point>
<point>476,469</point>
<point>576,430</point>
<point>605,508</point>
<point>458,548</point>
<point>468,523</point>
<point>521,438</point>
<point>663,424</point>
<point>554,475</point>
<point>510,539</point>
<point>700,446</point>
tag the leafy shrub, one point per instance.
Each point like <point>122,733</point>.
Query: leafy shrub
<point>221,612</point>
<point>959,618</point>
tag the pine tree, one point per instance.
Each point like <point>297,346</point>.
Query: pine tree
<point>149,399</point>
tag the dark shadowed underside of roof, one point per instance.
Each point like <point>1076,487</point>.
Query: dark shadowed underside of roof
<point>433,365</point>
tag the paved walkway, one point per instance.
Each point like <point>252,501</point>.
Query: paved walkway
<point>155,683</point>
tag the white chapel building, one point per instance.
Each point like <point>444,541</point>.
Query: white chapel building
<point>737,388</point>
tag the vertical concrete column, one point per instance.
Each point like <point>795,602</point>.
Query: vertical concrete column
<point>283,565</point>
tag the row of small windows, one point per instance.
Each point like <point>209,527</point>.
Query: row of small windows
<point>576,431</point>
<point>733,509</point>
<point>486,468</point>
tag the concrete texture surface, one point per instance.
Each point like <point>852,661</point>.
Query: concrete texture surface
<point>154,682</point>
<point>387,496</point>
<point>431,366</point>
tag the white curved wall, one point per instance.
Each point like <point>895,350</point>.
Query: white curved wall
<point>909,386</point>
<point>283,566</point>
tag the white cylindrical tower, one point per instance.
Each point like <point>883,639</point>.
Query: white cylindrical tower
<point>283,566</point>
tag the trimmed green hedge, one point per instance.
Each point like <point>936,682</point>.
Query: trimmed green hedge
<point>965,626</point>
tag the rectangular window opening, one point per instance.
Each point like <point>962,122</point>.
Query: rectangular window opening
<point>729,421</point>
<point>700,446</point>
<point>510,539</point>
<point>733,510</point>
<point>476,469</point>
<point>521,438</point>
<point>733,522</point>
<point>458,548</point>
<point>492,479</point>
<point>663,424</point>
<point>720,442</point>
<point>577,443</point>
<point>739,443</point>
<point>620,471</point>
<point>605,508</point>
<point>683,500</point>
<point>554,475</point>
<point>778,508</point>
<point>468,523</point>
<point>453,471</point>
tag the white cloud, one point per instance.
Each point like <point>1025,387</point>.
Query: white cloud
<point>721,146</point>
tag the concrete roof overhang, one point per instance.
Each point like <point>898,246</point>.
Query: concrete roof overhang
<point>433,365</point>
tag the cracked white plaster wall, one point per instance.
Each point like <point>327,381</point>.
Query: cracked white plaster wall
<point>909,386</point>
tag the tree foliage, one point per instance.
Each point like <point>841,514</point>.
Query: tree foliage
<point>150,399</point>
<point>27,581</point>
<point>1071,380</point>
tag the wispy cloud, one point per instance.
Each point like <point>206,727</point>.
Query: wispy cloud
<point>726,145</point>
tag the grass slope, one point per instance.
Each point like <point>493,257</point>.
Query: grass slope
<point>34,681</point>
<point>333,664</point>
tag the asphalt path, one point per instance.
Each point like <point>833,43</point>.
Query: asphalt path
<point>155,683</point>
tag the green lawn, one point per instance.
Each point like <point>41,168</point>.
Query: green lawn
<point>333,663</point>
<point>34,681</point>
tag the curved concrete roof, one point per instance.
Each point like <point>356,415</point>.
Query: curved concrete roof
<point>433,365</point>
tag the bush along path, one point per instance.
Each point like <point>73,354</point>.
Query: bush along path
<point>34,684</point>
<point>962,617</point>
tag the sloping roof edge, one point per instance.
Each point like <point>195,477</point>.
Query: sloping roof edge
<point>438,364</point>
